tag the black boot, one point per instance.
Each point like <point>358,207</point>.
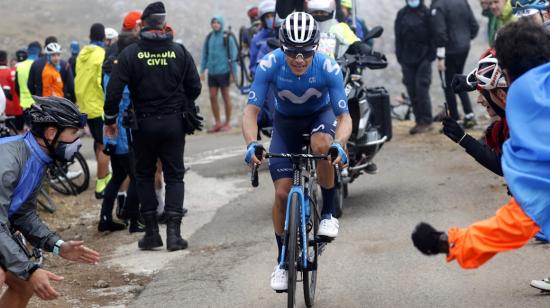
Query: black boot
<point>151,239</point>
<point>174,241</point>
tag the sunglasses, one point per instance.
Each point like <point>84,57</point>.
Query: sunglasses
<point>294,53</point>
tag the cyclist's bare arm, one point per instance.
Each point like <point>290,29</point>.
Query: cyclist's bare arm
<point>343,128</point>
<point>250,125</point>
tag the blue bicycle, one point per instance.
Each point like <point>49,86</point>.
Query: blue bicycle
<point>301,246</point>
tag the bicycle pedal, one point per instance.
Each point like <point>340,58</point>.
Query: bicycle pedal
<point>323,239</point>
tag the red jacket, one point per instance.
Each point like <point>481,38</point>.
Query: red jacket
<point>7,81</point>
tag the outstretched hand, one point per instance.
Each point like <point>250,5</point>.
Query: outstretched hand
<point>40,281</point>
<point>76,251</point>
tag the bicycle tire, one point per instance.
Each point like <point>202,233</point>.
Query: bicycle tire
<point>293,251</point>
<point>310,276</point>
<point>45,201</point>
<point>63,185</point>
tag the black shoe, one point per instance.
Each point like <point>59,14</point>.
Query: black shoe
<point>174,241</point>
<point>136,226</point>
<point>110,225</point>
<point>152,238</point>
<point>371,168</point>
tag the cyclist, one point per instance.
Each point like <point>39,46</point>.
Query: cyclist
<point>53,136</point>
<point>267,17</point>
<point>46,65</point>
<point>493,87</point>
<point>52,83</point>
<point>310,99</point>
<point>536,10</point>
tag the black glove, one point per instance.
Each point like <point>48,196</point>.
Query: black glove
<point>460,84</point>
<point>429,241</point>
<point>193,120</point>
<point>453,130</point>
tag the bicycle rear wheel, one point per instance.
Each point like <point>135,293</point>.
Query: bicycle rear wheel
<point>72,178</point>
<point>293,250</point>
<point>310,275</point>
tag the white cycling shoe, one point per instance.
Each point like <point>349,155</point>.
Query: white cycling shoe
<point>329,227</point>
<point>543,285</point>
<point>279,279</point>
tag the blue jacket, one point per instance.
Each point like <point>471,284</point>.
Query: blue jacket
<point>526,157</point>
<point>214,53</point>
<point>122,138</point>
<point>259,40</point>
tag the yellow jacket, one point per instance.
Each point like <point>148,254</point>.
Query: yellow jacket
<point>90,96</point>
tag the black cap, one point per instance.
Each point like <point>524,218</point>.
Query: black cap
<point>153,8</point>
<point>97,32</point>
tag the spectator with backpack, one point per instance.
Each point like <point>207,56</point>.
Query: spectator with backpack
<point>218,52</point>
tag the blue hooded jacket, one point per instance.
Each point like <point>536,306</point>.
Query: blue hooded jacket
<point>121,141</point>
<point>256,50</point>
<point>526,157</point>
<point>214,53</point>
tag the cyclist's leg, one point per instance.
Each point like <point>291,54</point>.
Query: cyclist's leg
<point>2,277</point>
<point>322,134</point>
<point>111,191</point>
<point>18,293</point>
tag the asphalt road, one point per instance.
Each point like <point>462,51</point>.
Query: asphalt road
<point>373,262</point>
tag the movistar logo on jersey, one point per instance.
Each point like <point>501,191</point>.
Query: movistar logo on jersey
<point>157,58</point>
<point>266,64</point>
<point>331,67</point>
<point>293,98</point>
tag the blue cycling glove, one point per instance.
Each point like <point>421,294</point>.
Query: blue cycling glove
<point>251,151</point>
<point>338,147</point>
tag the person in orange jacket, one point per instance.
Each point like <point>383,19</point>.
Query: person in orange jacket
<point>523,52</point>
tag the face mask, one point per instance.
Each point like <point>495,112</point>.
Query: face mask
<point>65,152</point>
<point>269,23</point>
<point>413,3</point>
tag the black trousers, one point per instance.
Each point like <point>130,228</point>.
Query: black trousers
<point>160,137</point>
<point>417,78</point>
<point>455,65</point>
<point>122,166</point>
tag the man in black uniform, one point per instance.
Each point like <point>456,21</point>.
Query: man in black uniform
<point>454,26</point>
<point>163,83</point>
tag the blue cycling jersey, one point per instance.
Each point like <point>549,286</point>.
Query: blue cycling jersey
<point>321,85</point>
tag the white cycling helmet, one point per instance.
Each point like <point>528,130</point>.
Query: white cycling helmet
<point>111,33</point>
<point>328,6</point>
<point>52,48</point>
<point>299,30</point>
<point>488,73</point>
<point>266,7</point>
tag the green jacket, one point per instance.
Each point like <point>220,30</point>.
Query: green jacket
<point>495,23</point>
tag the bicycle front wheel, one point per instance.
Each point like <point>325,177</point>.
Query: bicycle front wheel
<point>44,200</point>
<point>293,246</point>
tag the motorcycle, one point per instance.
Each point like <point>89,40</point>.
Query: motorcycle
<point>370,110</point>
